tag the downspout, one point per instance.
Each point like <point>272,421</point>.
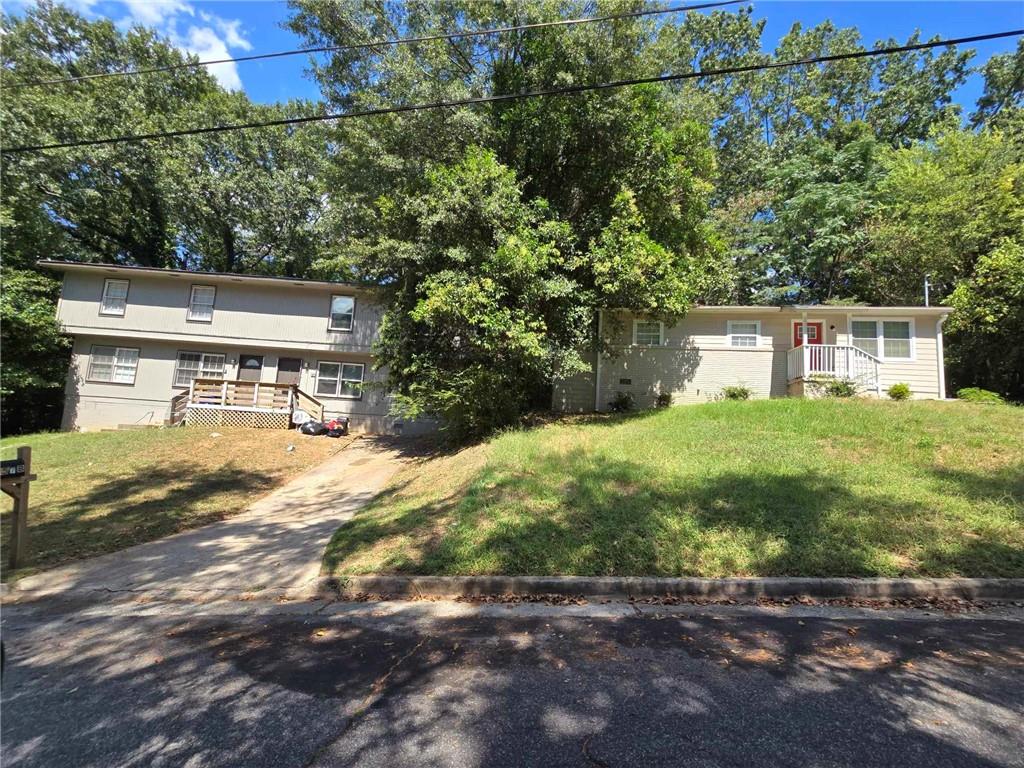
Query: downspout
<point>597,367</point>
<point>939,356</point>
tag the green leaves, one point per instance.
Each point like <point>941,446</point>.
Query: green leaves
<point>1003,98</point>
<point>480,296</point>
<point>35,352</point>
<point>823,198</point>
<point>632,270</point>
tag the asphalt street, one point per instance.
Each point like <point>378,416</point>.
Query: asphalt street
<point>138,682</point>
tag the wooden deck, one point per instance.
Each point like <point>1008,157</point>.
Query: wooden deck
<point>236,403</point>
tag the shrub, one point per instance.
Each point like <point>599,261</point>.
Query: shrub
<point>828,386</point>
<point>663,400</point>
<point>736,392</point>
<point>622,402</point>
<point>979,395</point>
<point>899,391</point>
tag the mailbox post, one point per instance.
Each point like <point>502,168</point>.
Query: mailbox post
<point>15,478</point>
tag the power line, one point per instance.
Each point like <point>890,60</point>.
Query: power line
<point>378,43</point>
<point>567,90</point>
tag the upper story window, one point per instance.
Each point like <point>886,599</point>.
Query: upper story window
<point>200,303</point>
<point>116,365</point>
<point>743,333</point>
<point>343,312</point>
<point>115,297</point>
<point>885,339</point>
<point>648,333</point>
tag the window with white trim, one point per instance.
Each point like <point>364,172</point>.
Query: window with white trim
<point>115,297</point>
<point>197,365</point>
<point>200,303</point>
<point>885,339</point>
<point>807,331</point>
<point>343,311</point>
<point>115,365</point>
<point>344,380</point>
<point>743,333</point>
<point>648,333</point>
<point>896,339</point>
<point>865,336</point>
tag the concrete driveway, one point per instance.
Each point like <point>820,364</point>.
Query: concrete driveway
<point>276,544</point>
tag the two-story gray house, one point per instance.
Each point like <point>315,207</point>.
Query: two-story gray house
<point>152,345</point>
<point>155,346</point>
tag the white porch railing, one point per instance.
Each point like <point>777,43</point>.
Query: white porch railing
<point>840,360</point>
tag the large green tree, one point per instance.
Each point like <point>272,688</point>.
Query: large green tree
<point>481,309</point>
<point>1003,98</point>
<point>623,177</point>
<point>254,200</point>
<point>953,208</point>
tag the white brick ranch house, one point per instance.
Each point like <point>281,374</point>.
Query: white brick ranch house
<point>155,346</point>
<point>763,349</point>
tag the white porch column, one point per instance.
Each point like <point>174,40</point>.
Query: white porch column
<point>803,343</point>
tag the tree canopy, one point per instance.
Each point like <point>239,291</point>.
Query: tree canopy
<point>495,232</point>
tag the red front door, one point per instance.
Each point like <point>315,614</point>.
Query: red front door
<point>815,333</point>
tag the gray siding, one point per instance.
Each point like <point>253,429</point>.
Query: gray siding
<point>266,316</point>
<point>91,405</point>
<point>575,394</point>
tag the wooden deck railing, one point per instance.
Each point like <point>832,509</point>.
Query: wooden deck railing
<point>178,406</point>
<point>249,396</point>
<point>309,404</point>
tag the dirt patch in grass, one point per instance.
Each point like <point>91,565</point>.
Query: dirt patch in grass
<point>759,488</point>
<point>102,491</point>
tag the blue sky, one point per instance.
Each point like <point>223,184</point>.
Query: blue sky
<point>222,28</point>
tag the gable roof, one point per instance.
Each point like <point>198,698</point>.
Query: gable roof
<point>213,277</point>
<point>233,277</point>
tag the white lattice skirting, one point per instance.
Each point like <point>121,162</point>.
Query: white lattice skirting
<point>221,417</point>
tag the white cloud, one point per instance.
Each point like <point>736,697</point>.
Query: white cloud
<point>230,30</point>
<point>81,6</point>
<point>154,13</point>
<point>206,35</point>
<point>206,44</point>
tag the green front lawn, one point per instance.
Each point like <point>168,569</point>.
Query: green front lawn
<point>816,488</point>
<point>102,491</point>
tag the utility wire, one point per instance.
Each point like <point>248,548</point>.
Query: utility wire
<point>572,89</point>
<point>379,43</point>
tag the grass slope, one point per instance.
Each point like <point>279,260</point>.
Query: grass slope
<point>101,491</point>
<point>817,488</point>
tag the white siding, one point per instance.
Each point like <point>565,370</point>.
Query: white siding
<point>696,360</point>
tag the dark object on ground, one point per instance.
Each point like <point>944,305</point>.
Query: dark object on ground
<point>313,428</point>
<point>621,402</point>
<point>337,427</point>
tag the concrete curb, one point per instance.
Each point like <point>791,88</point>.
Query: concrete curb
<point>709,589</point>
